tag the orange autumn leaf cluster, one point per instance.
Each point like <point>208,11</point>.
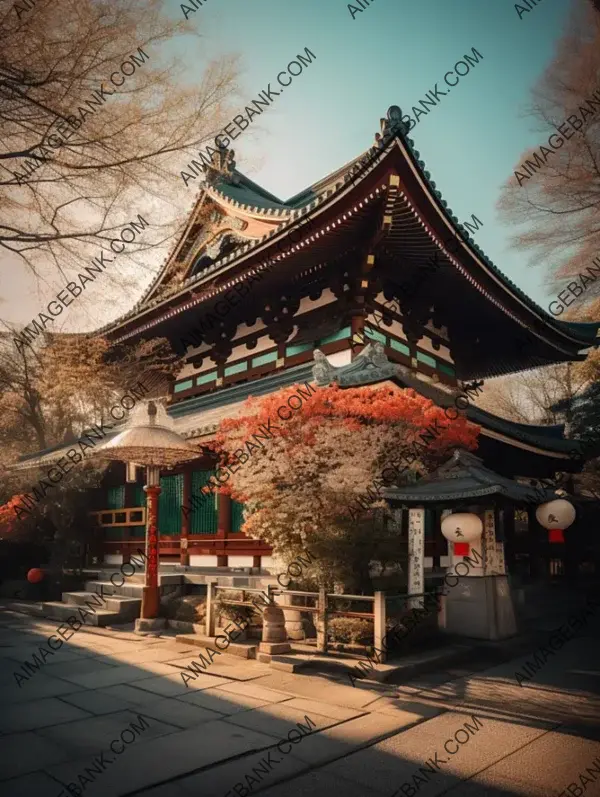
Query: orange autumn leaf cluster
<point>352,407</point>
<point>8,514</point>
<point>300,467</point>
<point>349,408</point>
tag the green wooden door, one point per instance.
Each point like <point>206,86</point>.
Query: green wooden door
<point>170,502</point>
<point>203,519</point>
<point>237,515</point>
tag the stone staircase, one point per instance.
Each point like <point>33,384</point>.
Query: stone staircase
<point>106,604</point>
<point>110,605</point>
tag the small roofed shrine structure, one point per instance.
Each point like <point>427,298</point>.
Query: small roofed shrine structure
<point>255,286</point>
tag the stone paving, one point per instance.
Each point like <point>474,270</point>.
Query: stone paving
<point>205,738</point>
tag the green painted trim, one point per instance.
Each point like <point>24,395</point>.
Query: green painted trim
<point>179,386</point>
<point>374,335</point>
<point>343,333</point>
<point>259,387</point>
<point>236,369</point>
<point>263,359</point>
<point>446,369</point>
<point>211,376</point>
<point>395,344</point>
<point>237,515</point>
<point>291,350</point>
<point>425,358</point>
<point>115,498</point>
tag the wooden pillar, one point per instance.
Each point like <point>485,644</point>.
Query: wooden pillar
<point>184,557</point>
<point>150,592</point>
<point>256,561</point>
<point>223,526</point>
<point>210,601</point>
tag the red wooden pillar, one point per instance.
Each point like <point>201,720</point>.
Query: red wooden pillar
<point>184,557</point>
<point>150,596</point>
<point>223,527</point>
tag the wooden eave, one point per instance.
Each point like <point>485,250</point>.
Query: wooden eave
<point>334,231</point>
<point>420,224</point>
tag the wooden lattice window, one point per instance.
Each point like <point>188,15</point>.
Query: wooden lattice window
<point>170,503</point>
<point>203,518</point>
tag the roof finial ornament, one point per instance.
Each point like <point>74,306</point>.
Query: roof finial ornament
<point>222,164</point>
<point>393,124</point>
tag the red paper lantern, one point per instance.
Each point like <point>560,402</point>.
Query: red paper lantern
<point>35,575</point>
<point>461,549</point>
<point>556,535</point>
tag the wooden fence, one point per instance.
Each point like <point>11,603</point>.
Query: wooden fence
<point>322,608</point>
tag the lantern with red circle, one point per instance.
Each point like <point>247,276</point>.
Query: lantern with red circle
<point>556,516</point>
<point>462,528</point>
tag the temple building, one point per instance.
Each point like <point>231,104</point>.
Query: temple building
<point>259,294</point>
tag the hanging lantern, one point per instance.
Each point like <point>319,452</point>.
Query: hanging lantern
<point>462,529</point>
<point>556,516</point>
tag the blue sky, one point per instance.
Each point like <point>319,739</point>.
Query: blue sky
<point>391,53</point>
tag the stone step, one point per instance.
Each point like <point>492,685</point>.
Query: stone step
<point>245,650</point>
<point>284,663</point>
<point>128,608</point>
<point>81,599</point>
<point>128,590</point>
<point>138,577</point>
<point>62,611</point>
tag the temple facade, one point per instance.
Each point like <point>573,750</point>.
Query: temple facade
<point>365,276</point>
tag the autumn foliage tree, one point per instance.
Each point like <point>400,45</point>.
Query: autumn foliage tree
<point>301,484</point>
<point>83,142</point>
<point>51,391</point>
<point>559,202</point>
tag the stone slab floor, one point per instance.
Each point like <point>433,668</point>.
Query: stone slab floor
<point>218,735</point>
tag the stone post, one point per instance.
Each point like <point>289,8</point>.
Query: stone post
<point>274,639</point>
<point>492,550</point>
<point>416,552</point>
<point>379,624</point>
<point>322,621</point>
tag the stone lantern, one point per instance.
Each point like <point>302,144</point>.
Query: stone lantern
<point>149,440</point>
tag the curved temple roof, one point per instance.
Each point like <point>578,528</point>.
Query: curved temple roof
<point>462,478</point>
<point>420,223</point>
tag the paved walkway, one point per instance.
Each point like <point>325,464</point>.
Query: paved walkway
<point>219,735</point>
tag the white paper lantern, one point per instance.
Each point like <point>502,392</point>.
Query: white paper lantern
<point>462,527</point>
<point>558,514</point>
